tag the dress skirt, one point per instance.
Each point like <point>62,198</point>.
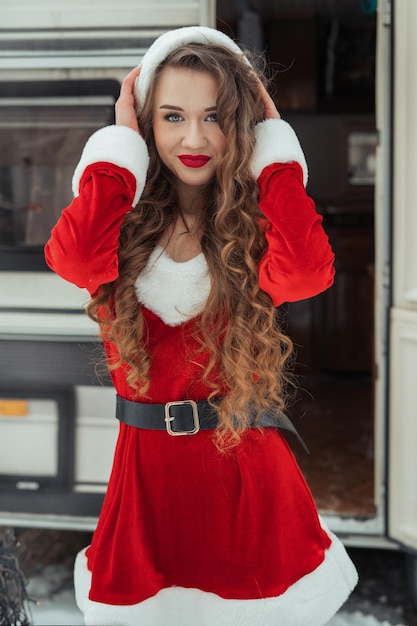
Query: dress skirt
<point>190,535</point>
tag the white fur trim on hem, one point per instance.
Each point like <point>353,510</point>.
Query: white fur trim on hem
<point>276,142</point>
<point>311,601</point>
<point>119,145</point>
<point>170,41</point>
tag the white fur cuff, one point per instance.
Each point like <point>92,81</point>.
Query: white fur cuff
<point>119,145</point>
<point>276,142</point>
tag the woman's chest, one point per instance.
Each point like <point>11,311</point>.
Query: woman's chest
<point>175,292</point>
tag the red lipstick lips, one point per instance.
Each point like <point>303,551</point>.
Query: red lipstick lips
<point>191,160</point>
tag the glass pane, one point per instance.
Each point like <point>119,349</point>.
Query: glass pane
<point>41,140</point>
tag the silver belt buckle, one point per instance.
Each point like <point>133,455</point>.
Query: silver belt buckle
<point>169,419</point>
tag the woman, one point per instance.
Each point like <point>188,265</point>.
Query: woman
<point>190,225</point>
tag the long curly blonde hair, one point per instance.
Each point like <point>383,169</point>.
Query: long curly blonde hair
<point>249,355</point>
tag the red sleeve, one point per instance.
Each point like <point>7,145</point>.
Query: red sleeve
<point>298,263</point>
<point>84,243</point>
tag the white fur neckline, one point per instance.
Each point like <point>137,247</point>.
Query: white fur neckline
<point>175,291</point>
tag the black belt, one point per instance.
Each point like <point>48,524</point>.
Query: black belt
<point>186,417</point>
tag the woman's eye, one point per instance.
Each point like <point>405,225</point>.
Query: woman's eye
<point>173,117</point>
<point>212,117</point>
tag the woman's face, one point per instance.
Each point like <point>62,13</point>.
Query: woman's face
<point>187,136</point>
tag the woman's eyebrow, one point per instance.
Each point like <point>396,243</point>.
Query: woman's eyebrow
<point>173,107</point>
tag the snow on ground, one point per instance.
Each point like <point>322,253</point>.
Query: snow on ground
<point>58,608</point>
<point>62,611</point>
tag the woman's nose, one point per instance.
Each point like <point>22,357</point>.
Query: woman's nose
<point>194,136</point>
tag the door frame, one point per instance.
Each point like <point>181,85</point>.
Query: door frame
<point>402,423</point>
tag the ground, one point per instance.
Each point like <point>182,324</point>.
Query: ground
<point>46,556</point>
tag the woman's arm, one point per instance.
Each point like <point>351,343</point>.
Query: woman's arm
<point>108,181</point>
<point>298,263</point>
<point>84,243</point>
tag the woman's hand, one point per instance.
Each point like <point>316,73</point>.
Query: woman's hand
<point>125,105</point>
<point>271,111</point>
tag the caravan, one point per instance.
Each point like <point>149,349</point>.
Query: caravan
<point>344,79</point>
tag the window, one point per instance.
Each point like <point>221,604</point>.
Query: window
<point>41,140</point>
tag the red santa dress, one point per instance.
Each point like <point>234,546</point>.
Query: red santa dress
<point>189,535</point>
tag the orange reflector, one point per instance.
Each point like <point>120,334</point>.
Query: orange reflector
<point>14,408</point>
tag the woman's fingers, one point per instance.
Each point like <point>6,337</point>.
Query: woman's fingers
<point>271,111</point>
<point>125,105</point>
